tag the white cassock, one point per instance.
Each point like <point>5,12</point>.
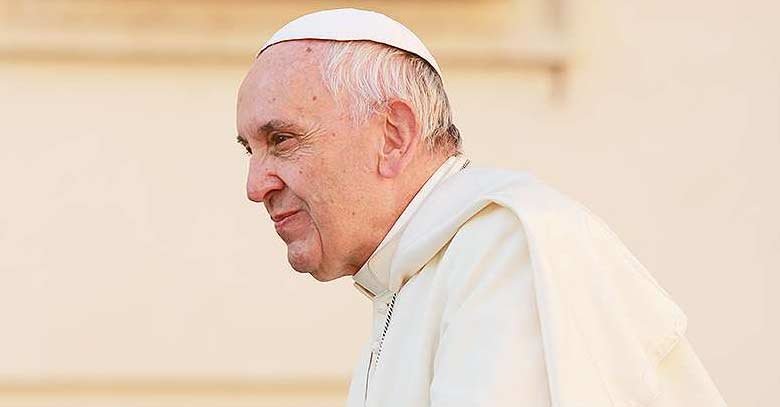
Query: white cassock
<point>492,289</point>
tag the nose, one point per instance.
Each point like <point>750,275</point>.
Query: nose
<point>261,180</point>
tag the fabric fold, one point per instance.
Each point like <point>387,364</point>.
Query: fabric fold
<point>606,323</point>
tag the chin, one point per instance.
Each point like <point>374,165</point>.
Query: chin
<point>324,277</point>
<point>303,254</point>
<point>307,258</point>
<point>317,271</point>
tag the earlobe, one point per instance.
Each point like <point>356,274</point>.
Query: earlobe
<point>389,165</point>
<point>401,135</point>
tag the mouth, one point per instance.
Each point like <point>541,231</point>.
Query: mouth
<point>282,219</point>
<point>281,216</point>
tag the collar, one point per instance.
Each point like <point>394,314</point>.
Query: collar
<point>373,277</point>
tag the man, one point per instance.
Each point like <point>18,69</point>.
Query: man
<point>488,287</point>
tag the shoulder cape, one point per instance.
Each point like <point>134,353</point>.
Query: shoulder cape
<point>606,323</point>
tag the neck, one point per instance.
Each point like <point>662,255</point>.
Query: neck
<point>418,173</point>
<point>397,198</point>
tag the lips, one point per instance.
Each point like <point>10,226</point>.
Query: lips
<point>281,216</point>
<point>282,221</point>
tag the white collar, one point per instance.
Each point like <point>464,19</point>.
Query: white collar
<point>373,277</point>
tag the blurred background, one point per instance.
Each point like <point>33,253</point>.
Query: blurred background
<point>134,272</point>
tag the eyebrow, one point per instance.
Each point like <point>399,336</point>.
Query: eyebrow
<point>270,126</point>
<point>241,140</point>
<point>276,125</point>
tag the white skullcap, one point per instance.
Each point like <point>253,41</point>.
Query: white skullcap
<point>349,24</point>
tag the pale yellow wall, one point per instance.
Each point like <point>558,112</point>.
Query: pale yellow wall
<point>683,99</point>
<point>128,251</point>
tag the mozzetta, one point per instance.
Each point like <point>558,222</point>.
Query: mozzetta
<point>494,289</point>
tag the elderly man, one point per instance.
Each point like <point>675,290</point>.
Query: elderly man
<point>488,287</point>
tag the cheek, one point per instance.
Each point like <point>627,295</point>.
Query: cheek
<point>331,184</point>
<point>329,212</point>
<point>316,184</point>
<point>309,191</point>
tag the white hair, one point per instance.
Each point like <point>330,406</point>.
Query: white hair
<point>370,74</point>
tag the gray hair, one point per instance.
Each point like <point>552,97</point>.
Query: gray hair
<point>369,74</point>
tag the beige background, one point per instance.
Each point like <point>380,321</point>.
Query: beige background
<point>133,271</point>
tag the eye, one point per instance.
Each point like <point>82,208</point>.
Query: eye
<point>279,138</point>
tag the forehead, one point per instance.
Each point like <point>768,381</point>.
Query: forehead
<point>284,83</point>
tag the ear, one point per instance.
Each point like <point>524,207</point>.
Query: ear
<point>401,135</point>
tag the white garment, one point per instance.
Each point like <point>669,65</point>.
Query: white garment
<point>504,292</point>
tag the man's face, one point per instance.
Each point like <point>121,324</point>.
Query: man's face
<point>313,170</point>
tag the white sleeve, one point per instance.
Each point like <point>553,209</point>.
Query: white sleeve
<point>490,351</point>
